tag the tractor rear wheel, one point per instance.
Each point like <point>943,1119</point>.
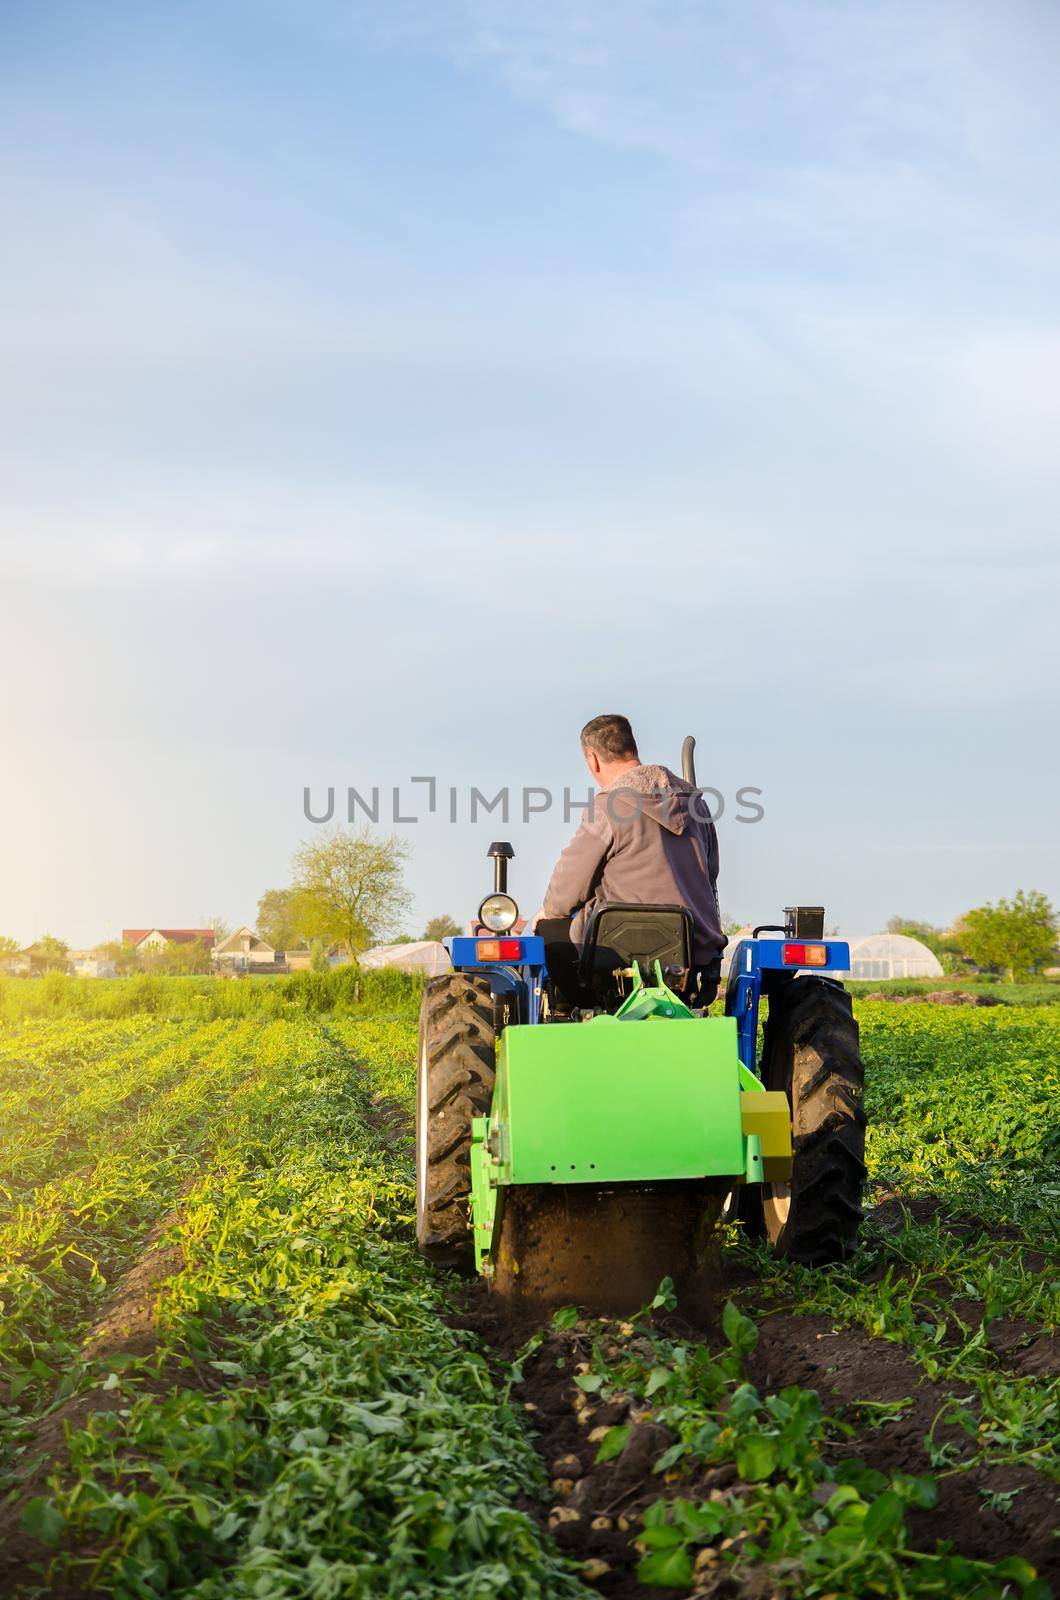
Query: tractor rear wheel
<point>455,1076</point>
<point>811,1052</point>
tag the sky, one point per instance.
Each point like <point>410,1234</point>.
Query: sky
<point>389,386</point>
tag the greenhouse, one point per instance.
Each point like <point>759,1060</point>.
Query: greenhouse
<point>891,955</point>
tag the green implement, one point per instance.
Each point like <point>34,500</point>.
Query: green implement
<point>601,1103</point>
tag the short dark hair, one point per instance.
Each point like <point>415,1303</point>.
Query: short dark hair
<point>610,736</point>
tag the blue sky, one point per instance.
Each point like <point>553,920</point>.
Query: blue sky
<point>390,387</point>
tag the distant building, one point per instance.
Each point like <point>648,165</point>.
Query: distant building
<point>419,955</point>
<point>879,956</point>
<point>244,950</point>
<point>154,939</point>
<point>87,964</point>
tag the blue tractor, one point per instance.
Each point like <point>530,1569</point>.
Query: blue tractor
<point>582,1146</point>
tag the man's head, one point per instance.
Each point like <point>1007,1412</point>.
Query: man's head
<point>609,748</point>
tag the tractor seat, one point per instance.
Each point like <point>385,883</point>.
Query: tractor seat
<point>619,935</point>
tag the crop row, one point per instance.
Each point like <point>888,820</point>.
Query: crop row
<point>63,1240</point>
<point>322,1431</point>
<point>308,1423</point>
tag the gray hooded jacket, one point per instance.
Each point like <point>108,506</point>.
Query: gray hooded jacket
<point>640,843</point>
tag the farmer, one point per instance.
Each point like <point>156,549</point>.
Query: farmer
<point>646,839</point>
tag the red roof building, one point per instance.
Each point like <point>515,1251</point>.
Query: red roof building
<point>155,938</point>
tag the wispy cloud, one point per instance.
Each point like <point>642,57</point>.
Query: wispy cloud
<point>875,123</point>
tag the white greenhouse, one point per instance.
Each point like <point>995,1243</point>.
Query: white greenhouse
<point>422,955</point>
<point>879,956</point>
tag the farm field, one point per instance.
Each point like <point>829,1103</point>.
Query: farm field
<point>226,1372</point>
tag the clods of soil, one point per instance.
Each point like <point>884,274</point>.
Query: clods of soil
<point>595,1509</point>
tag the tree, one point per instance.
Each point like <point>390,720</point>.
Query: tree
<point>1017,935</point>
<point>9,948</point>
<point>221,929</point>
<point>48,954</point>
<point>124,956</point>
<point>350,887</point>
<point>441,928</point>
<point>942,942</point>
<point>926,932</point>
<point>180,960</point>
<point>280,914</point>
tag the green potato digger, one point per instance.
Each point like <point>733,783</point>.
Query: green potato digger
<point>582,1152</point>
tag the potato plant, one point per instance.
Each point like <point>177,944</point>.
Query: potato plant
<point>307,1417</point>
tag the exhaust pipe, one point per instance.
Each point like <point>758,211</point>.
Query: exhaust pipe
<point>688,759</point>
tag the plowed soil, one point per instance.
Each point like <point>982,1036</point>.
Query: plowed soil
<point>595,1511</point>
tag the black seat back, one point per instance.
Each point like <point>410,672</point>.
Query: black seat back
<point>619,935</point>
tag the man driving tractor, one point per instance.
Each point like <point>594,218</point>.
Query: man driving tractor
<point>647,838</point>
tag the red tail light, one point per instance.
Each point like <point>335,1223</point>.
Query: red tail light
<point>498,949</point>
<point>805,955</point>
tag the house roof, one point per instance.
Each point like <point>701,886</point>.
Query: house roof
<point>235,941</point>
<point>136,936</point>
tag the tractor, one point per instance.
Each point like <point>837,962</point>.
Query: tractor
<point>582,1147</point>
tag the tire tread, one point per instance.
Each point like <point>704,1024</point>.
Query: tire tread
<point>457,1053</point>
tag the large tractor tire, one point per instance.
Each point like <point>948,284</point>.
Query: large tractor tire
<point>455,1076</point>
<point>811,1052</point>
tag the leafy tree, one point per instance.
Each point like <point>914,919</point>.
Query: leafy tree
<point>441,928</point>
<point>280,918</point>
<point>48,954</point>
<point>1017,935</point>
<point>9,948</point>
<point>124,956</point>
<point>318,957</point>
<point>350,887</point>
<point>942,942</point>
<point>180,960</point>
<point>221,929</point>
<point>926,932</point>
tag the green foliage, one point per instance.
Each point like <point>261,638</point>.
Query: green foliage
<point>942,942</point>
<point>820,1523</point>
<point>344,1435</point>
<point>961,1103</point>
<point>176,959</point>
<point>1017,935</point>
<point>349,887</point>
<point>279,922</point>
<point>48,954</point>
<point>332,989</point>
<point>1042,992</point>
<point>319,1429</point>
<point>442,928</point>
